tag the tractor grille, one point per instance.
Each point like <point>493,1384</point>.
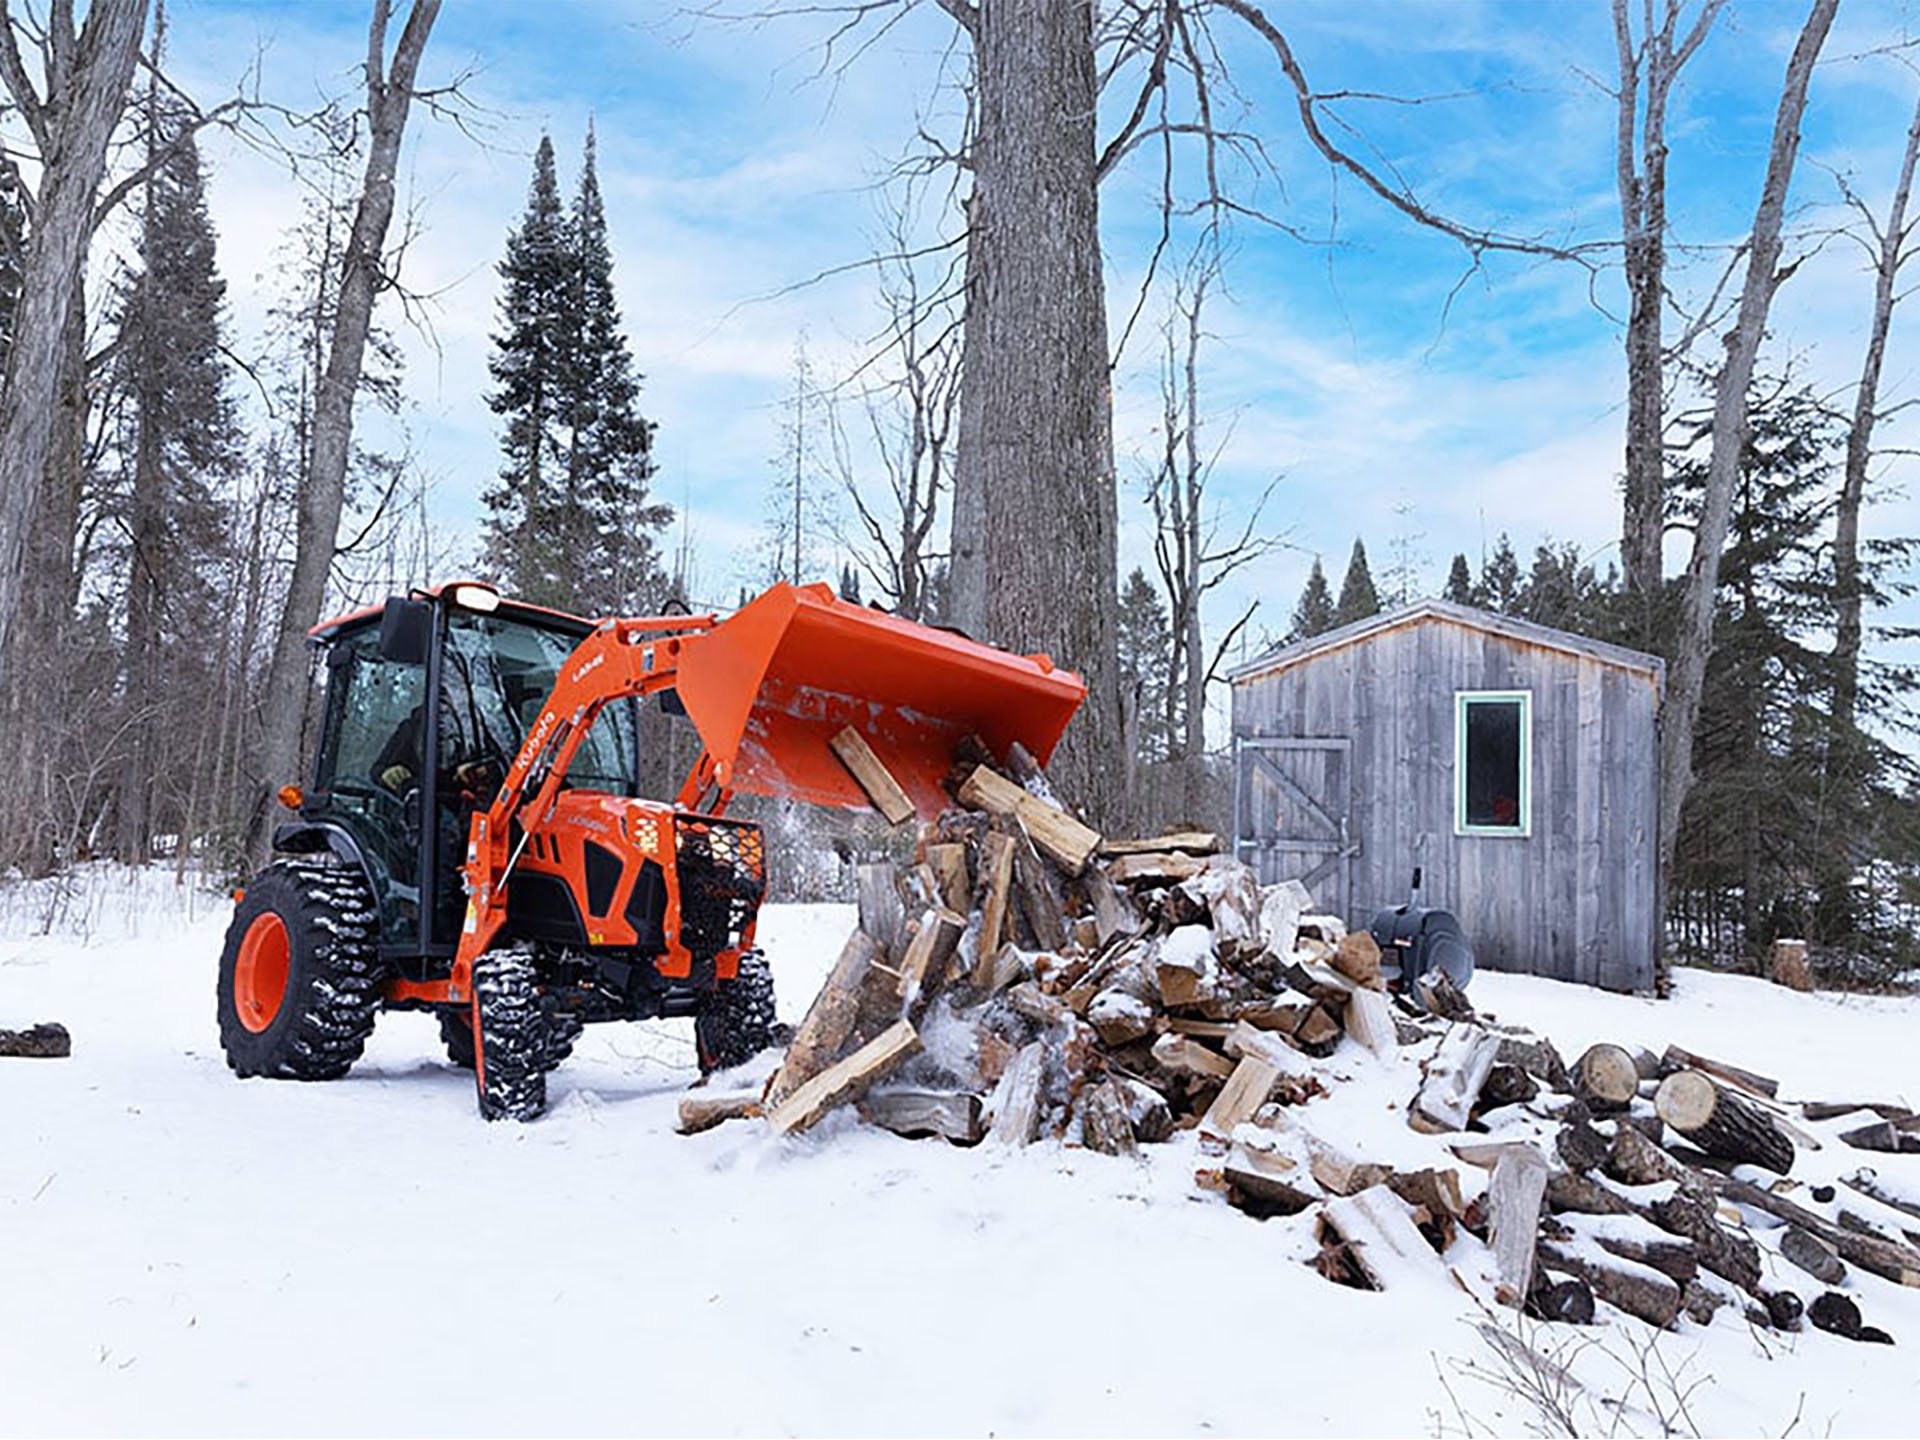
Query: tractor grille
<point>723,874</point>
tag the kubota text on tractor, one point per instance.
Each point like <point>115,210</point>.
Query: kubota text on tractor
<point>474,842</point>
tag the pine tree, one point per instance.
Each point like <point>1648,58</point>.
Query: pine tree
<point>1500,578</point>
<point>176,440</point>
<point>1459,582</point>
<point>528,364</point>
<point>616,568</point>
<point>1358,598</point>
<point>1146,660</point>
<point>1314,614</point>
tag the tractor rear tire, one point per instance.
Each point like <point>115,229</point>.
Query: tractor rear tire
<point>510,1076</point>
<point>300,976</point>
<point>737,1023</point>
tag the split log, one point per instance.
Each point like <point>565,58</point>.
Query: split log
<point>949,862</point>
<point>1028,999</point>
<point>703,1112</point>
<point>1016,1110</point>
<point>1181,1055</point>
<point>997,863</point>
<point>1606,1079</point>
<point>1244,1041</point>
<point>1514,1194</point>
<point>1377,1231</point>
<point>1147,1110</point>
<point>1163,869</point>
<point>1435,1191</point>
<point>1454,1076</point>
<point>48,1040</point>
<point>1187,842</point>
<point>1104,1126</point>
<point>1317,1031</point>
<point>1637,1289</point>
<point>1338,1173</point>
<point>1721,1123</point>
<point>1039,902</point>
<point>929,953</point>
<point>1113,912</point>
<point>1258,1182</point>
<point>1246,1091</point>
<point>1281,907</point>
<point>1184,966</point>
<point>951,1114</point>
<point>830,1019</point>
<point>844,1079</point>
<point>1538,1057</point>
<point>1067,842</point>
<point>883,913</point>
<point>874,777</point>
<point>1119,1017</point>
<point>1357,957</point>
<point>1370,1021</point>
<point>1674,1058</point>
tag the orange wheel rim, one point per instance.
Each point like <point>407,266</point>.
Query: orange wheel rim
<point>260,974</point>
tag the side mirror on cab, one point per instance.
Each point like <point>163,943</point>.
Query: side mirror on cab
<point>406,629</point>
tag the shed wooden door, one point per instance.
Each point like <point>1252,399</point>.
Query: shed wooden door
<point>1292,802</point>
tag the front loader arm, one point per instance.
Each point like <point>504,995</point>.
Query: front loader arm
<point>620,659</point>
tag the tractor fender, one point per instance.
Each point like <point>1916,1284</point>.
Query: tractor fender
<point>310,837</point>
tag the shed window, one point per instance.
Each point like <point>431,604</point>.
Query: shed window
<point>1493,762</point>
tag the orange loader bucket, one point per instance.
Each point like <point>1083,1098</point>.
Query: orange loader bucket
<point>769,686</point>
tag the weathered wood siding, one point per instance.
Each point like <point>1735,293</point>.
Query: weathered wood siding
<point>1574,899</point>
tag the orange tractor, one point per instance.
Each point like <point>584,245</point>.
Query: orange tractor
<point>474,842</point>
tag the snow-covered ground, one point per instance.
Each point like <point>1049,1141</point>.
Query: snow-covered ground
<point>185,1253</point>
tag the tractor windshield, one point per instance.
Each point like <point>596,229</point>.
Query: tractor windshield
<point>496,677</point>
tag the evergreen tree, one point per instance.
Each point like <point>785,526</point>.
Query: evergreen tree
<point>1459,582</point>
<point>1500,578</point>
<point>573,521</point>
<point>175,443</point>
<point>1563,592</point>
<point>13,241</point>
<point>1314,614</point>
<point>1358,598</point>
<point>1146,662</point>
<point>527,365</point>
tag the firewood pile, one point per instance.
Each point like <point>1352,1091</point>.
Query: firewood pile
<point>1026,979</point>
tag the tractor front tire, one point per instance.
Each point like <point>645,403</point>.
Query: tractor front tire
<point>737,1023</point>
<point>300,976</point>
<point>456,1033</point>
<point>510,1073</point>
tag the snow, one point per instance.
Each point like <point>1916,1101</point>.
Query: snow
<point>185,1253</point>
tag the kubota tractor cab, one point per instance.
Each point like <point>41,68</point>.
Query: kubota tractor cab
<point>474,841</point>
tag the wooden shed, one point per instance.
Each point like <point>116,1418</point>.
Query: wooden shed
<point>1515,764</point>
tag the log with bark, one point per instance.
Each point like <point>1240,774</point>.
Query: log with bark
<point>951,1114</point>
<point>1606,1079</point>
<point>703,1112</point>
<point>48,1040</point>
<point>830,1019</point>
<point>1722,1123</point>
<point>1066,841</point>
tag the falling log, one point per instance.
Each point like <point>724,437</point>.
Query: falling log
<point>1514,1194</point>
<point>830,1018</point>
<point>1067,842</point>
<point>703,1112</point>
<point>1721,1123</point>
<point>1640,1290</point>
<point>997,862</point>
<point>951,1114</point>
<point>1674,1058</point>
<point>874,777</point>
<point>1454,1076</point>
<point>843,1080</point>
<point>929,953</point>
<point>1606,1079</point>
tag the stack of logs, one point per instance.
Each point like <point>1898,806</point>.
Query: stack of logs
<point>1027,978</point>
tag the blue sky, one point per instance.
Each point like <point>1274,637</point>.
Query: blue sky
<point>733,171</point>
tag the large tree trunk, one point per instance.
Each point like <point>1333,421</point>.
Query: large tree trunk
<point>389,95</point>
<point>71,125</point>
<point>1035,515</point>
<point>1866,400</point>
<point>1693,644</point>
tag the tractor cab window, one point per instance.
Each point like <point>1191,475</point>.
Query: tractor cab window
<point>496,676</point>
<point>1493,763</point>
<point>375,719</point>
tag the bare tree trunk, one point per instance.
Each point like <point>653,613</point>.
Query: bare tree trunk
<point>1694,641</point>
<point>389,95</point>
<point>1036,442</point>
<point>1643,227</point>
<point>71,123</point>
<point>1866,400</point>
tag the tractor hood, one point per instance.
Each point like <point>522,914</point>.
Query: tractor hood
<point>769,686</point>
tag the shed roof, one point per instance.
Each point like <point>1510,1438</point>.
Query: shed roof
<point>1423,612</point>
